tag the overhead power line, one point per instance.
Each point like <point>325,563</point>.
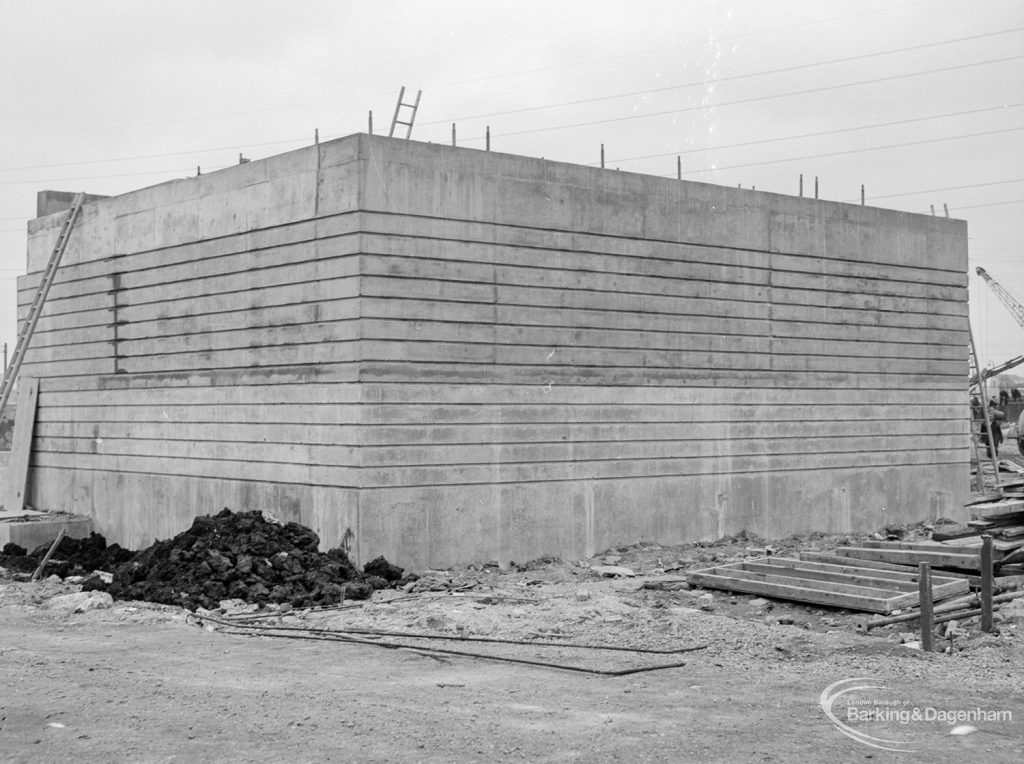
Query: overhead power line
<point>716,80</point>
<point>502,75</point>
<point>198,151</point>
<point>858,151</point>
<point>990,204</point>
<point>817,134</point>
<point>937,190</point>
<point>806,91</point>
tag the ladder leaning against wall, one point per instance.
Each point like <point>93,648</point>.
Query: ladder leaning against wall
<point>36,309</point>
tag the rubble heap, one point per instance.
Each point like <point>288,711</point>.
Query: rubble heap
<point>243,556</point>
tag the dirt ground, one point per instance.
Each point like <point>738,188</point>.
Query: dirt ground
<point>141,682</point>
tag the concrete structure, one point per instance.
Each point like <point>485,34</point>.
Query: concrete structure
<point>441,354</point>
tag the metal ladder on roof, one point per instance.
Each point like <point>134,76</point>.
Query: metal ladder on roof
<point>36,309</point>
<point>412,116</point>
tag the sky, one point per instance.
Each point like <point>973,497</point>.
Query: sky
<point>922,102</point>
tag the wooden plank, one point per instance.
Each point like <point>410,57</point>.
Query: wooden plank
<point>1010,532</point>
<point>912,557</point>
<point>898,573</point>
<point>992,510</point>
<point>960,547</point>
<point>806,573</point>
<point>945,575</point>
<point>973,544</point>
<point>790,592</point>
<point>21,446</point>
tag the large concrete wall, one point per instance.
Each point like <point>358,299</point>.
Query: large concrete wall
<point>442,354</point>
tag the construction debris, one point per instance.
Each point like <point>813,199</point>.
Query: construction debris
<point>844,586</point>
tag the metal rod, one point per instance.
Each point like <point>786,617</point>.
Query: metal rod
<point>498,640</point>
<point>986,583</point>
<point>453,133</point>
<point>488,138</point>
<point>924,587</point>
<point>602,156</point>
<point>801,184</point>
<point>815,186</point>
<point>451,637</point>
<point>443,651</point>
<point>370,125</point>
<point>679,167</point>
<point>316,136</point>
<point>861,194</point>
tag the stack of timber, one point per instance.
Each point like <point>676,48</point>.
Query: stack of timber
<point>959,557</point>
<point>840,582</point>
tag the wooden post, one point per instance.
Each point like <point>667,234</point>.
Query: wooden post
<point>986,583</point>
<point>316,136</point>
<point>679,167</point>
<point>933,209</point>
<point>602,156</point>
<point>46,558</point>
<point>861,194</point>
<point>488,139</point>
<point>801,185</point>
<point>12,495</point>
<point>371,122</point>
<point>924,587</point>
<point>945,208</point>
<point>815,186</point>
<point>453,133</point>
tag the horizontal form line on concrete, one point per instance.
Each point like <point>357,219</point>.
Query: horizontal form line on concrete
<point>120,346</point>
<point>574,237</point>
<point>205,286</point>
<point>720,473</point>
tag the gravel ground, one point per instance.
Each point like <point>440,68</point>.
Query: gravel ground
<point>134,681</point>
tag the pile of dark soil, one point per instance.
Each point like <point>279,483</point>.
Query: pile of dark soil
<point>242,556</point>
<point>72,557</point>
